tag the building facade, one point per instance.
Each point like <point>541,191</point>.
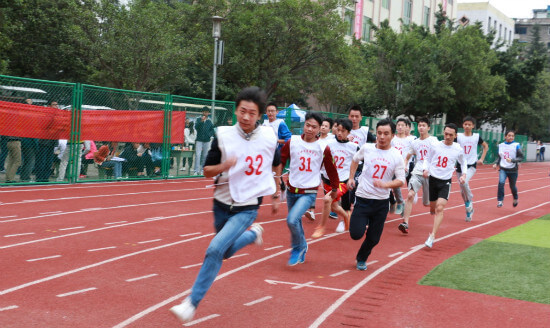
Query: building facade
<point>492,20</point>
<point>524,27</point>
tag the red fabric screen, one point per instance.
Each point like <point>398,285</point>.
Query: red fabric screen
<point>28,121</point>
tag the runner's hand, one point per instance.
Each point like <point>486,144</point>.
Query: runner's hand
<point>351,184</point>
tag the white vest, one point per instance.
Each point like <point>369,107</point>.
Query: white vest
<point>252,176</point>
<point>342,156</point>
<point>360,135</point>
<point>469,145</point>
<point>507,151</point>
<point>274,125</point>
<point>306,159</point>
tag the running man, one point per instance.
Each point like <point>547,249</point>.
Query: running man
<point>402,142</point>
<point>306,157</point>
<point>509,155</point>
<point>382,162</point>
<point>342,151</point>
<point>243,157</point>
<point>419,149</point>
<point>469,142</point>
<point>440,165</point>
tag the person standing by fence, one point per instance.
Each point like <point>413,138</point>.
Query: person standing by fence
<point>205,131</point>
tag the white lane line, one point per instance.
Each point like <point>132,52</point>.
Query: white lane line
<point>154,218</point>
<point>260,300</point>
<point>339,273</point>
<point>240,255</point>
<point>31,200</point>
<point>380,270</point>
<point>142,277</point>
<point>7,217</point>
<point>91,209</point>
<point>148,241</point>
<point>372,262</point>
<point>72,228</point>
<point>51,212</point>
<point>101,249</point>
<point>395,254</point>
<point>118,222</point>
<point>191,266</point>
<point>274,247</point>
<point>76,292</point>
<point>20,234</point>
<point>94,265</point>
<point>194,322</point>
<point>190,234</point>
<point>11,307</point>
<point>44,258</point>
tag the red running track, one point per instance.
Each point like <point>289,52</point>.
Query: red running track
<point>121,254</point>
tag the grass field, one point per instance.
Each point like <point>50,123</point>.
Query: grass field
<point>513,264</point>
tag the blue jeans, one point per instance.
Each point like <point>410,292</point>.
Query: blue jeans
<point>200,154</point>
<point>231,236</point>
<point>297,205</point>
<point>512,178</point>
<point>115,165</point>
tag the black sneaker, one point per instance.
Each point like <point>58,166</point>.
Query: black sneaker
<point>515,203</point>
<point>403,227</point>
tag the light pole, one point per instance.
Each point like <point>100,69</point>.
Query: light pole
<point>218,55</point>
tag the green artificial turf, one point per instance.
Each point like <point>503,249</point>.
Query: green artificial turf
<point>513,264</point>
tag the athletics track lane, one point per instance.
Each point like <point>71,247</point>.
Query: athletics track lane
<point>116,299</point>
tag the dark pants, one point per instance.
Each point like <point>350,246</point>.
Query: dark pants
<point>28,155</point>
<point>371,213</point>
<point>3,152</point>
<point>512,178</point>
<point>44,160</point>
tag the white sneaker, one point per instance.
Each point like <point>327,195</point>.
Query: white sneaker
<point>184,311</point>
<point>341,227</point>
<point>258,230</point>
<point>430,241</point>
<point>310,215</point>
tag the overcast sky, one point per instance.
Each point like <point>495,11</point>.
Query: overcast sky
<point>516,8</point>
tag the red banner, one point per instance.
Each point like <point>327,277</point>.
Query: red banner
<point>29,121</point>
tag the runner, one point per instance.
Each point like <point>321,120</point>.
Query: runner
<point>342,151</point>
<point>419,149</point>
<point>469,142</point>
<point>325,136</point>
<point>440,165</point>
<point>243,157</point>
<point>509,155</point>
<point>382,162</point>
<point>306,157</point>
<point>402,142</point>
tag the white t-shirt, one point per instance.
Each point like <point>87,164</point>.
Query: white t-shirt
<point>469,145</point>
<point>306,159</point>
<point>507,151</point>
<point>342,155</point>
<point>378,164</point>
<point>442,159</point>
<point>403,145</point>
<point>420,148</point>
<point>360,135</point>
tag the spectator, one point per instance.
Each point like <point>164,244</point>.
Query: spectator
<point>144,152</point>
<point>542,150</point>
<point>205,131</point>
<point>3,153</point>
<point>133,164</point>
<point>537,159</point>
<point>87,157</point>
<point>106,158</point>
<point>190,137</point>
<point>278,125</point>
<point>29,147</point>
<point>14,158</point>
<point>156,158</point>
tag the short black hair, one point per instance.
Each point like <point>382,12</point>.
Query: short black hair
<point>386,121</point>
<point>253,94</point>
<point>423,119</point>
<point>357,108</point>
<point>513,131</point>
<point>451,126</point>
<point>316,116</point>
<point>404,120</point>
<point>271,104</point>
<point>470,119</point>
<point>345,123</point>
<point>329,120</point>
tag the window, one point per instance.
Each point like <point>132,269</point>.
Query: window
<point>549,31</point>
<point>489,25</point>
<point>505,32</point>
<point>548,45</point>
<point>521,30</point>
<point>365,36</point>
<point>349,18</point>
<point>510,36</point>
<point>386,4</point>
<point>407,10</point>
<point>426,20</point>
<point>500,31</point>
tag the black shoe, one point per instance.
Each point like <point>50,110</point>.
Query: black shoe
<point>515,203</point>
<point>403,227</point>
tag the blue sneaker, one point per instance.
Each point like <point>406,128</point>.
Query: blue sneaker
<point>399,209</point>
<point>361,265</point>
<point>333,215</point>
<point>303,255</point>
<point>294,257</point>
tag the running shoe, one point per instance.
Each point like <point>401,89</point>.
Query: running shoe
<point>499,204</point>
<point>303,255</point>
<point>430,241</point>
<point>294,257</point>
<point>403,227</point>
<point>399,208</point>
<point>333,215</point>
<point>310,215</point>
<point>515,203</point>
<point>361,265</point>
<point>184,311</point>
<point>258,230</point>
<point>341,227</point>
